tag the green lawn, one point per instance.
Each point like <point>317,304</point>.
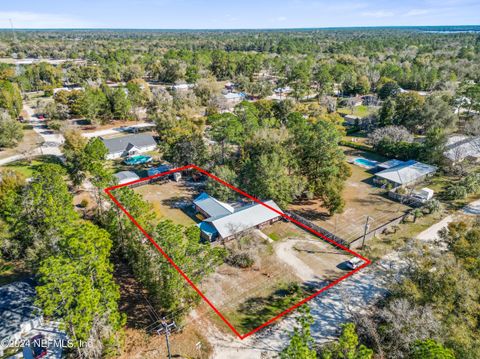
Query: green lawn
<point>257,310</point>
<point>377,247</point>
<point>29,168</point>
<point>360,111</point>
<point>440,182</point>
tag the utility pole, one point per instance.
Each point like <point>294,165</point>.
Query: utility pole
<point>365,230</point>
<point>166,329</point>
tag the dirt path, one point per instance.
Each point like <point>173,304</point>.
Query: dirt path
<point>331,308</point>
<point>285,252</point>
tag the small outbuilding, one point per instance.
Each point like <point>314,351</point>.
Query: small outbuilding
<point>126,177</point>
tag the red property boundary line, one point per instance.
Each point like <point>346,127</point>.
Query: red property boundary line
<point>367,262</point>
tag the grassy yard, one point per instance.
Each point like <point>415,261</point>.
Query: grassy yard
<point>380,246</point>
<point>280,230</point>
<point>167,198</point>
<point>439,183</point>
<point>360,111</point>
<point>29,168</point>
<point>362,199</point>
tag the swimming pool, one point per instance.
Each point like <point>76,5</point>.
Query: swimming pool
<point>363,162</point>
<point>138,160</point>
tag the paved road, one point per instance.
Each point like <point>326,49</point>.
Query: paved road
<point>52,141</point>
<point>116,131</point>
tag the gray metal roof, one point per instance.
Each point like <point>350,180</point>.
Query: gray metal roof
<point>244,218</point>
<point>460,147</point>
<point>407,172</point>
<point>211,206</point>
<point>126,176</point>
<point>16,307</point>
<point>121,144</point>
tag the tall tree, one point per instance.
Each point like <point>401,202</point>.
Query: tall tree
<point>323,163</point>
<point>301,342</point>
<point>11,131</point>
<point>347,346</point>
<point>77,286</point>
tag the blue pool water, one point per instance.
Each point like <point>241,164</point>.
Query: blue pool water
<point>365,163</point>
<point>137,160</point>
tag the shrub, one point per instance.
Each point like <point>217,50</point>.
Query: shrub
<point>240,260</point>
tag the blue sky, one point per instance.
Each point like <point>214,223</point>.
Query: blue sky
<point>215,14</point>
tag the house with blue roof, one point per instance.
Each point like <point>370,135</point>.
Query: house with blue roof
<point>223,221</point>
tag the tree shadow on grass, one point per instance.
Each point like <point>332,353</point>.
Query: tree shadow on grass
<point>258,310</point>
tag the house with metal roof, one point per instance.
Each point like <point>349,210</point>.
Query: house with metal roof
<point>460,148</point>
<point>18,314</point>
<point>211,207</point>
<point>129,145</point>
<point>224,221</point>
<point>404,174</point>
<point>389,164</point>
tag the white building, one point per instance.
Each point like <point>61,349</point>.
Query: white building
<point>129,145</point>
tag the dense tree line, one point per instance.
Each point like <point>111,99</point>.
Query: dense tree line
<point>71,258</point>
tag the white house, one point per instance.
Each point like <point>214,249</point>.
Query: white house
<point>129,145</point>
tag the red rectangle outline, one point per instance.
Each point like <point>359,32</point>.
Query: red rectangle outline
<point>192,166</point>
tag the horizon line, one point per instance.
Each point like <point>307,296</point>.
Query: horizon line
<point>241,29</point>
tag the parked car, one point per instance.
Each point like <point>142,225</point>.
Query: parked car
<point>354,263</point>
<point>37,348</point>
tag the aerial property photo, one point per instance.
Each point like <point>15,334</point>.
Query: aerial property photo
<point>264,276</point>
<point>240,180</point>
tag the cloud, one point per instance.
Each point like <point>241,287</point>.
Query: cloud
<point>417,12</point>
<point>33,20</point>
<point>281,18</point>
<point>377,14</point>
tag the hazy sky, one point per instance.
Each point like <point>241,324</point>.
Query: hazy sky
<point>215,14</point>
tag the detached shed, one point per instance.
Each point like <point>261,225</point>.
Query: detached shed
<point>126,177</point>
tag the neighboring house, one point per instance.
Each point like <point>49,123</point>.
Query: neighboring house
<point>370,100</point>
<point>126,176</point>
<point>234,97</point>
<point>18,314</point>
<point>223,221</point>
<point>404,174</point>
<point>128,145</point>
<point>460,148</point>
<point>182,87</point>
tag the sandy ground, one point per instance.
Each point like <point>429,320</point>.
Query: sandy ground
<point>331,308</point>
<point>362,200</point>
<point>168,198</point>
